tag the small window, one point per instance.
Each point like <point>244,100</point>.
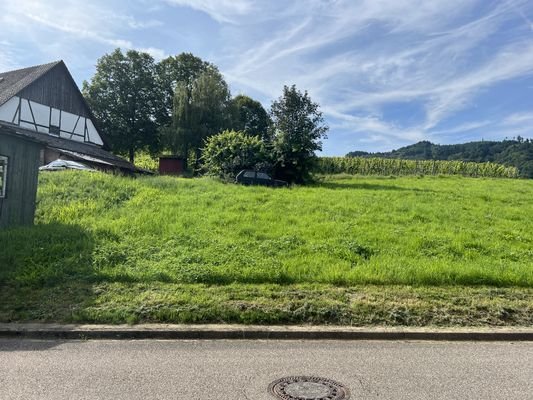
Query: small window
<point>3,176</point>
<point>54,130</point>
<point>262,175</point>
<point>249,174</point>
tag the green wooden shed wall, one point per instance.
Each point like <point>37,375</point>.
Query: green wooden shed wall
<point>18,205</point>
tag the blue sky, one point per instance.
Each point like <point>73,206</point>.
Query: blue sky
<point>386,72</point>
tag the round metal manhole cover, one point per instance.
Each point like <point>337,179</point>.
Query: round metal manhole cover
<point>308,387</point>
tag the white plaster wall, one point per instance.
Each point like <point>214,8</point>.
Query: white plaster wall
<point>41,113</point>
<point>94,137</point>
<point>45,115</point>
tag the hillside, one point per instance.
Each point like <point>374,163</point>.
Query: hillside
<point>517,153</point>
<point>408,250</point>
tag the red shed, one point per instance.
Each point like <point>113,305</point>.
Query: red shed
<point>171,165</point>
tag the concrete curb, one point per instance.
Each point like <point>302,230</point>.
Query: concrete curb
<point>162,331</point>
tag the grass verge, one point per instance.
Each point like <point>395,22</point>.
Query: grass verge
<point>269,304</point>
<point>356,251</point>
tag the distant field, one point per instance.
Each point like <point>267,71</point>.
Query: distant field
<point>398,167</point>
<point>349,250</point>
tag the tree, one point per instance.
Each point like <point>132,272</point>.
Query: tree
<point>298,130</point>
<point>173,71</point>
<point>124,97</point>
<point>178,136</point>
<point>200,111</point>
<point>229,152</point>
<point>250,117</point>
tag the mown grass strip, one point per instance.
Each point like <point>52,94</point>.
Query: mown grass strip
<point>116,303</point>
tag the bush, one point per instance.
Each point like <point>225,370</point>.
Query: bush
<point>146,161</point>
<point>229,152</point>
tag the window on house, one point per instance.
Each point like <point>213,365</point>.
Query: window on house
<point>54,130</point>
<point>3,176</point>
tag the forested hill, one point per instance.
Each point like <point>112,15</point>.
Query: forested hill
<point>518,153</point>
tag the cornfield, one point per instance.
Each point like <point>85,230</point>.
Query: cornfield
<point>392,166</point>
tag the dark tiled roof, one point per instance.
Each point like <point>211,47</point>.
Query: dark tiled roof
<point>69,145</point>
<point>12,82</point>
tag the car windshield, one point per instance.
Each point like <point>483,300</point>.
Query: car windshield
<point>249,174</point>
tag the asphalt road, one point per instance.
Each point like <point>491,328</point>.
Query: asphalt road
<point>151,369</point>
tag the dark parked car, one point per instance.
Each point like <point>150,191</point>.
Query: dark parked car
<point>249,177</point>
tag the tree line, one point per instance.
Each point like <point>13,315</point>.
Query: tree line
<point>517,152</point>
<point>183,105</point>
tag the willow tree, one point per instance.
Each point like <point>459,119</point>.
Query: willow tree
<point>200,110</point>
<point>175,71</point>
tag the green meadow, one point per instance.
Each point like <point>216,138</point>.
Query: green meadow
<point>347,250</point>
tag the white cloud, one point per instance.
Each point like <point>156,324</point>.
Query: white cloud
<point>462,128</point>
<point>80,31</point>
<point>157,54</point>
<point>519,119</point>
<point>219,10</point>
<point>373,125</point>
<point>359,59</point>
<point>8,56</point>
<point>428,53</point>
<point>87,21</point>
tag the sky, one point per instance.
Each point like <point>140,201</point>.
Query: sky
<point>386,73</point>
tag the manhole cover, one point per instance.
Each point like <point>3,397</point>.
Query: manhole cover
<point>308,387</point>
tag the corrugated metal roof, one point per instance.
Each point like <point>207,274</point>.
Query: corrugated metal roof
<point>84,157</point>
<point>12,82</point>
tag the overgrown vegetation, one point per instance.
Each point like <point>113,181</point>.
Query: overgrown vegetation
<point>408,251</point>
<point>396,167</point>
<point>288,150</point>
<point>179,103</point>
<point>514,153</point>
<point>229,152</point>
<point>298,132</point>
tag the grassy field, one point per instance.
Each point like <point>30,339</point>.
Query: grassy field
<point>349,250</point>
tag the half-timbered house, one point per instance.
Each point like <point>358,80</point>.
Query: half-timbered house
<point>43,117</point>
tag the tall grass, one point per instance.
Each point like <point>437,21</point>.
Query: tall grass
<point>390,166</point>
<point>414,231</point>
<point>407,251</point>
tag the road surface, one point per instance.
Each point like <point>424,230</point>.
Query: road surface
<point>204,370</point>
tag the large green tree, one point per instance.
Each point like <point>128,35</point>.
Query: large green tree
<point>173,71</point>
<point>178,136</point>
<point>298,129</point>
<point>200,110</point>
<point>250,117</point>
<point>125,98</point>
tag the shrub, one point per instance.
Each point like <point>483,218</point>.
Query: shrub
<point>229,152</point>
<point>146,161</point>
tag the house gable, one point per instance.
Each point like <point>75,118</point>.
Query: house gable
<point>45,99</point>
<point>56,88</point>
